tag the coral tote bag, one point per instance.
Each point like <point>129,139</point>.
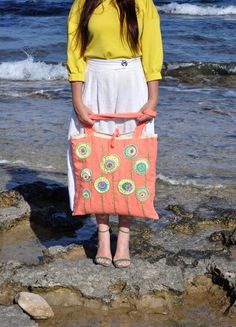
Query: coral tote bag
<point>115,174</point>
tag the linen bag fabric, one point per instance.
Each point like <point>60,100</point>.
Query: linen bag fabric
<point>115,174</point>
<point>110,87</point>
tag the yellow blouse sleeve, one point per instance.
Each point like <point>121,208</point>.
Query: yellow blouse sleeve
<point>75,64</point>
<point>151,43</point>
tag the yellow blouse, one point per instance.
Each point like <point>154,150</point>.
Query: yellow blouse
<point>105,42</point>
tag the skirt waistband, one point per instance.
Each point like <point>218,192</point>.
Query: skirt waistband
<point>99,64</point>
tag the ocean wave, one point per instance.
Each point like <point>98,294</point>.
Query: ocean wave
<point>30,70</point>
<point>195,10</point>
<point>44,94</point>
<point>188,182</point>
<point>35,8</point>
<point>24,163</point>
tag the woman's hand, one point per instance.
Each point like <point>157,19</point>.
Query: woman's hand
<point>148,105</point>
<point>82,112</point>
<point>153,87</point>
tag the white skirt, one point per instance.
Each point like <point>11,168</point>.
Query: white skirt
<point>111,86</point>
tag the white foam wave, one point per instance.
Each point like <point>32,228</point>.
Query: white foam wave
<point>173,66</point>
<point>233,70</point>
<point>179,182</point>
<point>195,10</point>
<point>24,163</point>
<point>3,161</point>
<point>30,70</point>
<point>47,93</point>
<point>18,94</point>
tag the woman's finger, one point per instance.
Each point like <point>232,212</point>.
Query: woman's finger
<point>85,120</point>
<point>144,118</point>
<point>88,121</point>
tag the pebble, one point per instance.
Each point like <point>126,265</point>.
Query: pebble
<point>35,305</point>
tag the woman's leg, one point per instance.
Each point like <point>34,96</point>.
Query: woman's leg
<point>104,248</point>
<point>122,247</point>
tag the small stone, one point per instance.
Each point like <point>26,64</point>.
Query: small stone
<point>34,305</point>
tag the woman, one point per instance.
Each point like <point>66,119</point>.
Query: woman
<point>114,61</point>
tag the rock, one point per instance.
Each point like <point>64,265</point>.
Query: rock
<point>9,199</point>
<point>179,211</point>
<point>13,209</point>
<point>13,316</point>
<point>41,203</point>
<point>226,237</point>
<point>191,221</point>
<point>201,75</point>
<point>223,272</point>
<point>185,252</point>
<point>6,272</point>
<point>49,205</point>
<point>83,275</point>
<point>68,252</point>
<point>34,305</point>
<point>80,282</point>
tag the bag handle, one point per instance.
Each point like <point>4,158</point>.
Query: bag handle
<point>138,114</point>
<point>138,130</point>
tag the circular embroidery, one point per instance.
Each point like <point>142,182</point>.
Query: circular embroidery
<point>130,151</point>
<point>126,186</point>
<point>109,164</point>
<point>141,166</point>
<point>83,150</point>
<point>86,194</point>
<point>86,174</point>
<point>142,194</point>
<point>102,184</point>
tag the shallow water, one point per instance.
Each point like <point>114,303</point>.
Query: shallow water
<point>189,317</point>
<point>196,136</point>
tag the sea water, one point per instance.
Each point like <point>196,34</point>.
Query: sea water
<point>196,112</point>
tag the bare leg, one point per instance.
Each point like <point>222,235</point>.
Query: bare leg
<point>122,247</point>
<point>104,249</point>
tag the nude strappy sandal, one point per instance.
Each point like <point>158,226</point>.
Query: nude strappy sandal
<point>96,260</point>
<point>115,262</point>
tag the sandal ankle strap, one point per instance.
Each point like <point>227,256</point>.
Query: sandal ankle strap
<point>123,231</point>
<point>103,231</point>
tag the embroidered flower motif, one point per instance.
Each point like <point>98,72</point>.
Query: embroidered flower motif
<point>130,151</point>
<point>86,194</point>
<point>83,150</point>
<point>109,164</point>
<point>141,166</point>
<point>86,174</point>
<point>102,184</point>
<point>142,194</point>
<point>126,186</point>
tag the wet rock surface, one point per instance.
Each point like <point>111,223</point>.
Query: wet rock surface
<point>13,209</point>
<point>13,316</point>
<point>202,74</point>
<point>49,205</point>
<point>190,251</point>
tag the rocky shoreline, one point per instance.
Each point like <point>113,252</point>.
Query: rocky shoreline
<point>183,261</point>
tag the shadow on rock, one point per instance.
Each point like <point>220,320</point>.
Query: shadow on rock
<point>45,203</point>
